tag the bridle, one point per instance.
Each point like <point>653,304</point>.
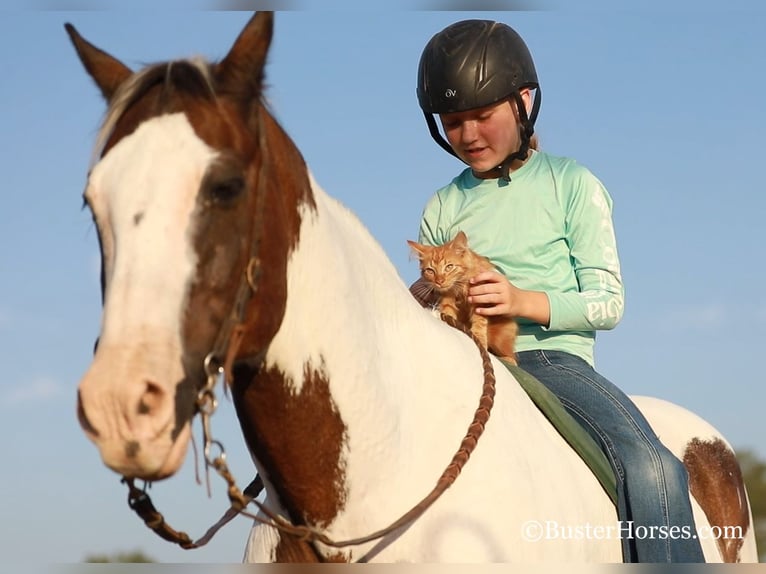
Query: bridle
<point>217,365</point>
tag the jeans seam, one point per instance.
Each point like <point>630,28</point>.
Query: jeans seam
<point>611,452</point>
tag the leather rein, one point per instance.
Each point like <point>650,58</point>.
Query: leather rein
<point>217,364</point>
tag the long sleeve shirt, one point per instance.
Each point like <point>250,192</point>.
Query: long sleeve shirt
<point>549,229</point>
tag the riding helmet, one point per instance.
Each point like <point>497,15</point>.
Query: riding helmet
<point>471,64</point>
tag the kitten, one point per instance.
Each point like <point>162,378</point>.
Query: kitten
<point>445,271</point>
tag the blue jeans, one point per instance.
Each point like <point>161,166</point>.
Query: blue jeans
<point>652,484</point>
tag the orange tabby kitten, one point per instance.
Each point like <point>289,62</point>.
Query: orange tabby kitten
<point>445,271</point>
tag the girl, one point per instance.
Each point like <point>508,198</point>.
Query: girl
<point>546,224</point>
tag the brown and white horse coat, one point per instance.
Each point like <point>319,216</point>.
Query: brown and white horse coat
<point>351,398</point>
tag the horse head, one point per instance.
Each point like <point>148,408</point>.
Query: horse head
<point>190,205</point>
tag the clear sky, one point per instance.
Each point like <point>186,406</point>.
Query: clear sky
<point>665,107</point>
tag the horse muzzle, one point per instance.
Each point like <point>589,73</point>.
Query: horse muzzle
<point>133,418</point>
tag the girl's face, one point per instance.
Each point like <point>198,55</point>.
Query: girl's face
<point>484,137</point>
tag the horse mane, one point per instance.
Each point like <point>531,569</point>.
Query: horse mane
<point>191,78</point>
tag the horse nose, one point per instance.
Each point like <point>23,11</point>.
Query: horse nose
<point>132,412</point>
<point>150,401</point>
<point>133,425</point>
<point>133,407</point>
<point>147,409</point>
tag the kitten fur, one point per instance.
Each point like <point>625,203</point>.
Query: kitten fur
<point>445,271</point>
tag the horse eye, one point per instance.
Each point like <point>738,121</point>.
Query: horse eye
<point>227,190</point>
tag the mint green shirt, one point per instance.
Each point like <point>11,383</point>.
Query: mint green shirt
<point>550,229</point>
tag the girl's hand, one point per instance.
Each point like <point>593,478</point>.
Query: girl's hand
<point>494,295</point>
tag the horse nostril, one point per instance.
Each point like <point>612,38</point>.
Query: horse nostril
<point>151,399</point>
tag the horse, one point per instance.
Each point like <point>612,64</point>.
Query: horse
<point>218,247</point>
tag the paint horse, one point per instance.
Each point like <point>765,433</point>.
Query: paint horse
<point>351,398</point>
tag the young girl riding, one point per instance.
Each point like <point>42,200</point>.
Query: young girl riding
<point>546,224</point>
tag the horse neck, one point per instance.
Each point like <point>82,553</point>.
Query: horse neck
<point>344,300</point>
<point>358,382</point>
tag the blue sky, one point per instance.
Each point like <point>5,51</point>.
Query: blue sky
<point>664,107</point>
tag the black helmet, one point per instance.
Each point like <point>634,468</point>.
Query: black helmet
<point>472,64</point>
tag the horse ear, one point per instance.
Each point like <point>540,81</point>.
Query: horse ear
<point>107,71</point>
<point>241,72</point>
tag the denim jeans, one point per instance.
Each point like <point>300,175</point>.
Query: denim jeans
<point>652,484</point>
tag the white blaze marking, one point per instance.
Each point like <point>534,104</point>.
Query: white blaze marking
<point>143,193</point>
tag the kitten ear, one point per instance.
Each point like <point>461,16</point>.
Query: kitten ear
<point>418,249</point>
<point>460,243</point>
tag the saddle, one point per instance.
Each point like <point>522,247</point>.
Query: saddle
<point>572,432</point>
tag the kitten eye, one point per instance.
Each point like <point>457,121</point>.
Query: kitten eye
<point>449,266</point>
<point>428,271</point>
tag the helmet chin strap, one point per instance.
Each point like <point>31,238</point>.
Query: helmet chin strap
<point>527,130</point>
<point>521,154</point>
<point>437,136</point>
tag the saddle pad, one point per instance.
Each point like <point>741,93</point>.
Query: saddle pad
<point>577,437</point>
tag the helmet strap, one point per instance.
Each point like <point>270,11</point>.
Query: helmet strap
<point>527,130</point>
<point>437,136</point>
